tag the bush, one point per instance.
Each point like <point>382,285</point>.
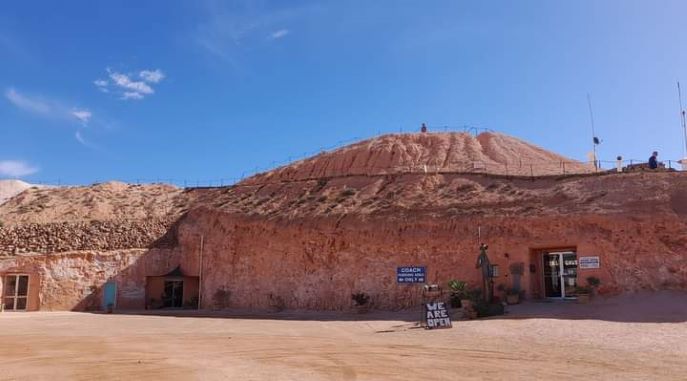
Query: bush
<point>277,303</point>
<point>360,298</point>
<point>221,298</point>
<point>593,281</point>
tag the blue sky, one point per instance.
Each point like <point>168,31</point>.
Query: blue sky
<point>200,90</point>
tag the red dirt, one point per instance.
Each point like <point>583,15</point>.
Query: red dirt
<point>432,152</point>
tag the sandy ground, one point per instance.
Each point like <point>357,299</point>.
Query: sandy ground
<point>632,338</point>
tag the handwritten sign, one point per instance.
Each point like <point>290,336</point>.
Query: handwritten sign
<point>411,274</point>
<point>436,316</point>
<point>588,262</point>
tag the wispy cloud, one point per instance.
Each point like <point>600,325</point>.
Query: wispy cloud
<point>130,86</point>
<point>101,84</point>
<point>229,31</point>
<point>51,109</point>
<point>83,115</point>
<point>16,168</point>
<point>281,33</point>
<point>152,76</point>
<point>33,105</point>
<point>48,108</point>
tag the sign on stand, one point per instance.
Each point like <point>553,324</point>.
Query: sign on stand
<point>411,274</point>
<point>436,316</point>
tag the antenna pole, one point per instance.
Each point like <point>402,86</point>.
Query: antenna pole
<point>591,117</point>
<point>682,119</point>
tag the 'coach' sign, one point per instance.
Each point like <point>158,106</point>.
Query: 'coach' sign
<point>411,274</point>
<point>436,315</point>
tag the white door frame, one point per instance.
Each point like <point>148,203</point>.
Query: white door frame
<point>15,293</point>
<point>561,271</point>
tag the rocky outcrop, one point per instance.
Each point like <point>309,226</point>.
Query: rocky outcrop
<point>90,235</point>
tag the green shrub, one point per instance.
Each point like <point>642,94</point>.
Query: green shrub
<point>458,290</point>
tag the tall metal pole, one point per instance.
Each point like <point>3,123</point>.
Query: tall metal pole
<point>200,271</point>
<point>684,122</point>
<point>591,116</point>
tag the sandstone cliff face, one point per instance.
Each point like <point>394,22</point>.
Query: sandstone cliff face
<point>318,262</point>
<point>74,280</point>
<point>310,234</point>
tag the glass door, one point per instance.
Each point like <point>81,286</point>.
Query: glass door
<point>552,276</point>
<point>16,292</point>
<point>174,293</point>
<point>569,273</point>
<point>560,274</point>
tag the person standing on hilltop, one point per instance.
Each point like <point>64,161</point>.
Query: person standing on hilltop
<point>653,160</point>
<point>423,128</point>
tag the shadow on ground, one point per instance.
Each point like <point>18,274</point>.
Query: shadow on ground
<point>644,307</point>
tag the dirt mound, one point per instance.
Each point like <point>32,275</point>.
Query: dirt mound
<point>491,153</point>
<point>103,202</point>
<point>11,188</point>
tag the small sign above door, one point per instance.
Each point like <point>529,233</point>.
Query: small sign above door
<point>588,262</point>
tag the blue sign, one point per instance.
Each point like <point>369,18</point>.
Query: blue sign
<point>411,274</point>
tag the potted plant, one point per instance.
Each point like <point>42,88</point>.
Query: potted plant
<point>361,302</point>
<point>459,292</point>
<point>512,296</point>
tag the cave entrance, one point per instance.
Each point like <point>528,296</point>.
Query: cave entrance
<point>173,290</point>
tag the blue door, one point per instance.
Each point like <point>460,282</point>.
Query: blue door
<point>109,295</point>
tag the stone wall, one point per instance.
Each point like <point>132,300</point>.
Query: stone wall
<point>90,235</point>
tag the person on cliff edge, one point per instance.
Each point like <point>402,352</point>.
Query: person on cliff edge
<point>653,160</point>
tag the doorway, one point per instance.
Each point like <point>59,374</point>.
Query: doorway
<point>16,292</point>
<point>173,296</point>
<point>560,274</point>
<point>109,295</point>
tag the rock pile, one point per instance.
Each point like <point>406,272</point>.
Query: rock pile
<point>89,235</point>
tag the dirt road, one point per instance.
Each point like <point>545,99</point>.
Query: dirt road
<point>570,342</point>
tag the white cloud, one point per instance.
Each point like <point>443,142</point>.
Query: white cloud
<point>101,84</point>
<point>79,138</point>
<point>152,76</point>
<point>127,86</point>
<point>47,108</point>
<point>123,81</point>
<point>230,30</point>
<point>132,95</point>
<point>16,168</point>
<point>26,103</point>
<point>83,115</point>
<point>279,34</point>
